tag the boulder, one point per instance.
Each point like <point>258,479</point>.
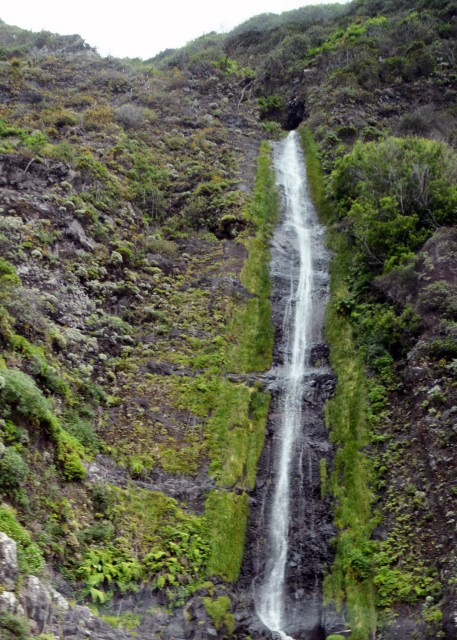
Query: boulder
<point>76,231</point>
<point>8,562</point>
<point>37,603</point>
<point>10,604</point>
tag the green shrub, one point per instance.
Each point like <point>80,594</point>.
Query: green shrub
<point>13,627</point>
<point>419,62</point>
<point>8,278</point>
<point>13,468</point>
<point>102,497</point>
<point>81,428</point>
<point>20,395</point>
<point>69,452</point>
<point>270,105</point>
<point>440,296</point>
<point>130,116</point>
<point>29,556</point>
<point>166,248</point>
<point>395,585</point>
<point>393,194</point>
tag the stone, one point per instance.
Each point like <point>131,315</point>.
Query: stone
<point>59,600</point>
<point>36,602</point>
<point>10,604</point>
<point>8,561</point>
<point>76,231</point>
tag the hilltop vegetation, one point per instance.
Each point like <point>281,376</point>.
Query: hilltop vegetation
<point>134,309</point>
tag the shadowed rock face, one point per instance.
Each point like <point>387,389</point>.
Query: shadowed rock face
<point>310,522</point>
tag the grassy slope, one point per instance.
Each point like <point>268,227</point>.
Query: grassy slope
<point>154,287</point>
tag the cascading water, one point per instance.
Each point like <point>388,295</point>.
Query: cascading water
<point>299,265</point>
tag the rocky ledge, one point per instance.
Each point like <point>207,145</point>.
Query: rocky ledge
<point>45,609</point>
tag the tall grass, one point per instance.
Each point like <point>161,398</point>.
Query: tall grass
<point>226,513</point>
<point>253,329</point>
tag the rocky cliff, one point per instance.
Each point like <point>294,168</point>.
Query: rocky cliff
<point>136,207</point>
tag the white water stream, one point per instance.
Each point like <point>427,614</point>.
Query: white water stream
<point>300,225</point>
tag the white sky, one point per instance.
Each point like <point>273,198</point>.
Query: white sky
<point>139,28</point>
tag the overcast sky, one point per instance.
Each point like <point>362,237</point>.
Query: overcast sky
<point>139,28</point>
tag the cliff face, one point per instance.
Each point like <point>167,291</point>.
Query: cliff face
<point>127,216</point>
<point>134,316</point>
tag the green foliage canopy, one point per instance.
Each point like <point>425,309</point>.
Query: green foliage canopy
<point>393,194</point>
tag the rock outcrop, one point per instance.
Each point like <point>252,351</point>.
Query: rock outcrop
<point>46,610</point>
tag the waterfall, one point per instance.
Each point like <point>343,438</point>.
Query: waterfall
<point>300,247</point>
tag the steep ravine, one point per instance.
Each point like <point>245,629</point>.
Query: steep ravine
<point>310,521</point>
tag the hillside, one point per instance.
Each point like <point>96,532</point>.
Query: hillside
<point>137,202</point>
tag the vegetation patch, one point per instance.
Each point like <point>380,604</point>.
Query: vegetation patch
<point>29,556</point>
<point>227,514</point>
<point>350,579</point>
<point>252,326</point>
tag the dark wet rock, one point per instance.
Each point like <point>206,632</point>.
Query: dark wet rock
<point>169,267</point>
<point>21,173</point>
<point>168,369</point>
<point>198,625</point>
<point>31,97</point>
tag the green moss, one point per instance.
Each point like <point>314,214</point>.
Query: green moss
<point>235,417</point>
<point>251,329</point>
<point>19,395</point>
<point>316,179</point>
<point>218,610</point>
<point>69,452</point>
<point>226,514</point>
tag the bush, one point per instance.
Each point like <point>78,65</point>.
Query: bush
<point>29,556</point>
<point>8,278</point>
<point>20,395</point>
<point>166,248</point>
<point>393,194</point>
<point>98,118</point>
<point>13,469</point>
<point>440,296</point>
<point>270,105</point>
<point>130,116</point>
<point>419,62</point>
<point>14,627</point>
<point>69,452</point>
